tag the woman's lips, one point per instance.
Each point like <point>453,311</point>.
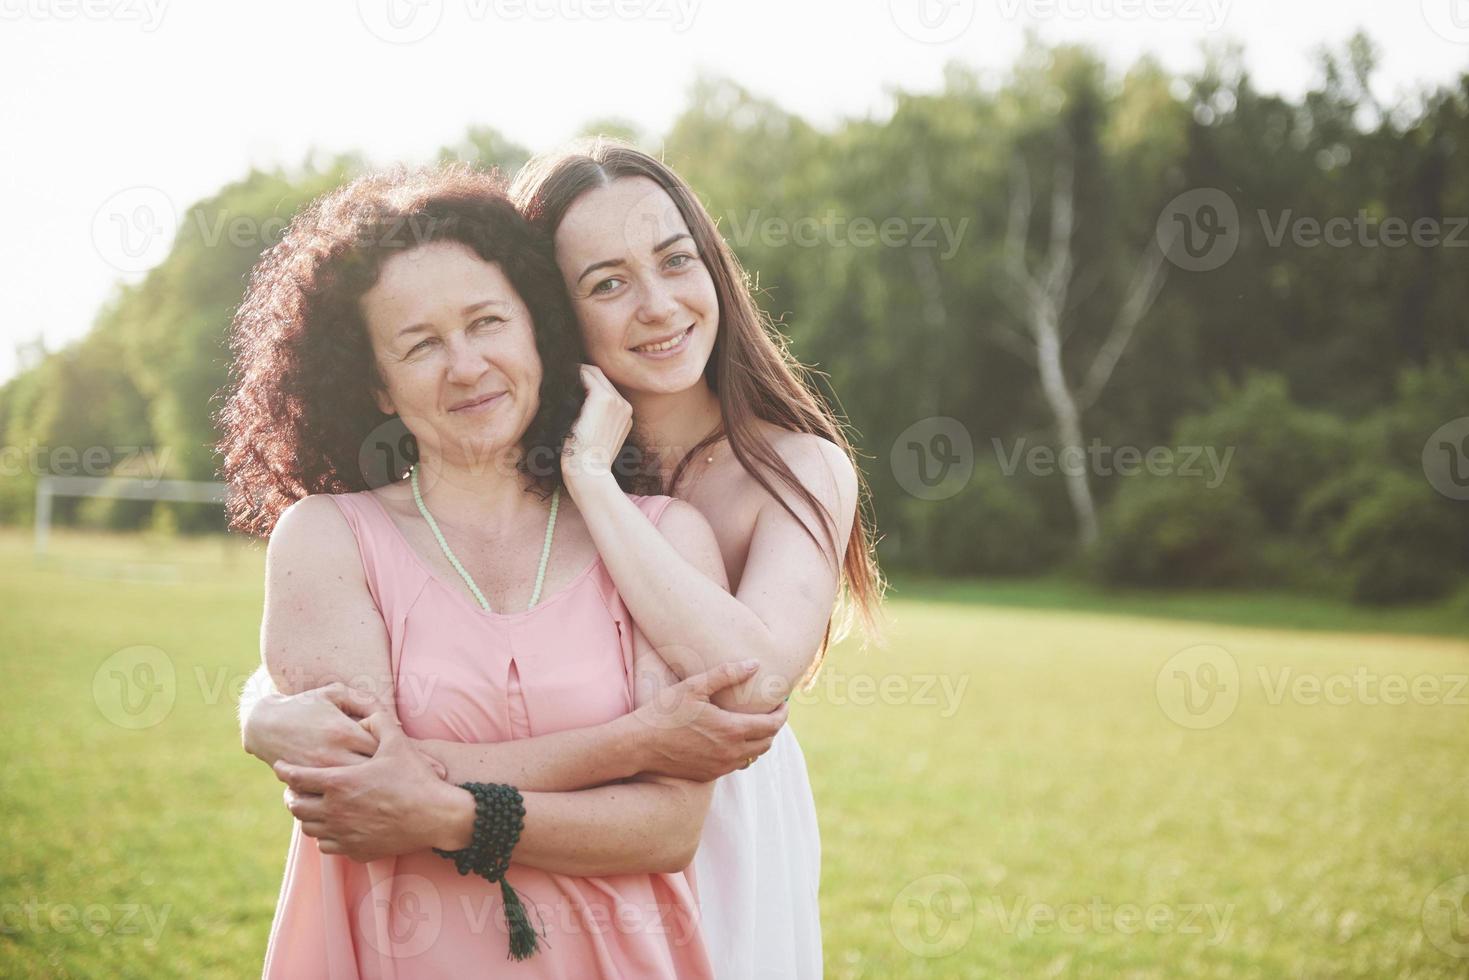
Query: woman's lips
<point>675,350</point>
<point>478,404</point>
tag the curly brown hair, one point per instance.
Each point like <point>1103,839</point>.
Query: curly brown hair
<point>300,404</point>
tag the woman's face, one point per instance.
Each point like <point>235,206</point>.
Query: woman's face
<point>455,346</point>
<point>642,294</point>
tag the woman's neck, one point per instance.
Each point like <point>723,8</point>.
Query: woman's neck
<point>672,424</point>
<point>488,495</point>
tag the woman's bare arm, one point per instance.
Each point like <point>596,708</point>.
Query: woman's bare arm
<point>786,592</point>
<point>321,625</point>
<point>682,734</point>
<point>589,833</point>
<point>394,804</point>
<point>320,728</point>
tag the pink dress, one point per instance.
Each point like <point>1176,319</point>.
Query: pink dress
<point>467,675</point>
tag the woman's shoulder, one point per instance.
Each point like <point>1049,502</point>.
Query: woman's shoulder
<point>311,533</point>
<point>331,520</point>
<point>818,464</point>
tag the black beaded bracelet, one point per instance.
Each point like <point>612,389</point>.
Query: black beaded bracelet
<point>499,817</point>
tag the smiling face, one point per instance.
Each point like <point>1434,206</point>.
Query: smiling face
<point>455,347</point>
<point>642,294</point>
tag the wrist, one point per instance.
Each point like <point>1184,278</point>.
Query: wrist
<point>255,733</point>
<point>634,745</point>
<point>453,806</point>
<point>586,484</point>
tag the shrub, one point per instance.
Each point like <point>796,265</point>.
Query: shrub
<point>1174,530</point>
<point>991,527</point>
<point>1402,542</point>
<point>1281,451</point>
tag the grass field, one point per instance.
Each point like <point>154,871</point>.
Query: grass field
<point>1008,789</point>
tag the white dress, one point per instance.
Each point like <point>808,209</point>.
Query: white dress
<point>758,870</point>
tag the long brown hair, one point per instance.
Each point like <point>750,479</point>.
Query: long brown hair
<point>751,369</point>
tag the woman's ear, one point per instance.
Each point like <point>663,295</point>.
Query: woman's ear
<point>384,402</point>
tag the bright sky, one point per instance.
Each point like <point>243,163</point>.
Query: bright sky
<point>122,111</point>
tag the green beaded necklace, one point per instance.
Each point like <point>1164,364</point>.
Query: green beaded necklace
<point>479,596</point>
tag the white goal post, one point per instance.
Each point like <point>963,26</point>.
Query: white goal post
<point>123,488</point>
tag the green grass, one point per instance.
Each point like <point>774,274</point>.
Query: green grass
<point>1261,608</point>
<point>1047,774</point>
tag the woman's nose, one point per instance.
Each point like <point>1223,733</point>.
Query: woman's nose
<point>657,303</point>
<point>465,363</point>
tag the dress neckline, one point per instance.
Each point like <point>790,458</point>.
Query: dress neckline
<point>456,589</point>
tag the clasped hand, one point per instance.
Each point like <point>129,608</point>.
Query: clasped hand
<point>392,804</point>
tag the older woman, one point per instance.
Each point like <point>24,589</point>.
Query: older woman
<point>471,590</point>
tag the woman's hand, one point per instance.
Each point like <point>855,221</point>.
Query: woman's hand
<point>319,727</point>
<point>690,737</point>
<point>394,803</point>
<point>599,432</point>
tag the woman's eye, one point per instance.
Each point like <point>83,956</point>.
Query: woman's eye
<point>487,321</point>
<point>421,346</point>
<point>680,260</point>
<point>605,286</point>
